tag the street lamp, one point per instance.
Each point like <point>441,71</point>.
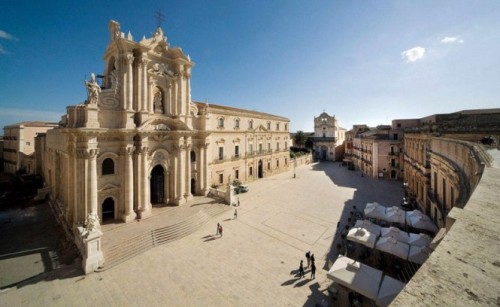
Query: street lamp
<point>294,165</point>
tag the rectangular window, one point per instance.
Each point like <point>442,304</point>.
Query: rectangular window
<point>268,165</point>
<point>251,149</point>
<point>260,148</point>
<point>236,174</point>
<point>237,151</point>
<point>277,163</point>
<point>277,146</point>
<point>393,162</point>
<point>221,153</point>
<point>268,147</point>
<point>221,178</point>
<point>237,123</point>
<point>395,136</point>
<point>250,171</point>
<point>286,145</point>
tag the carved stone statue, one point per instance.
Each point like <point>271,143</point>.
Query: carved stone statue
<point>93,90</point>
<point>158,104</point>
<point>92,222</point>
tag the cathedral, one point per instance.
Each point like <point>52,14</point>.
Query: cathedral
<point>140,141</point>
<point>329,137</point>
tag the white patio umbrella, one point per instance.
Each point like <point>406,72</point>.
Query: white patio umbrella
<point>422,222</point>
<point>395,215</point>
<point>418,254</point>
<point>362,236</point>
<point>419,239</point>
<point>414,215</point>
<point>375,211</point>
<point>371,227</point>
<point>389,289</point>
<point>356,276</point>
<point>392,246</point>
<point>396,233</point>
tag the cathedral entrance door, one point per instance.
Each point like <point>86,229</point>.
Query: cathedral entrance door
<point>323,153</point>
<point>260,171</point>
<point>157,185</point>
<point>193,186</point>
<point>108,210</point>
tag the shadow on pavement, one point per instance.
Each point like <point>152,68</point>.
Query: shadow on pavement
<point>32,244</point>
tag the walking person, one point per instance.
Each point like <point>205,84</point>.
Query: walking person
<point>308,257</point>
<point>313,270</point>
<point>301,269</point>
<point>312,259</point>
<point>218,227</point>
<point>235,213</point>
<point>238,201</point>
<point>220,230</point>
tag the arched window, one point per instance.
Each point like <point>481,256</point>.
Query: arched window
<point>193,156</point>
<point>221,122</point>
<point>237,123</point>
<point>250,124</point>
<point>108,166</point>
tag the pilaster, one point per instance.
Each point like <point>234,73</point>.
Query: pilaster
<point>128,188</point>
<point>145,199</point>
<point>187,174</point>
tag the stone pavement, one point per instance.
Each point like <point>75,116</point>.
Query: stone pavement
<point>254,263</point>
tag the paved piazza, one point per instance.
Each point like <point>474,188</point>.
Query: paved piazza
<point>253,264</point>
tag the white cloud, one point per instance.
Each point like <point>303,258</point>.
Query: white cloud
<point>8,36</point>
<point>451,40</point>
<point>413,54</point>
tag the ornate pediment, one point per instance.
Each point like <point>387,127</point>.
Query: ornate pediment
<point>108,187</point>
<point>162,123</point>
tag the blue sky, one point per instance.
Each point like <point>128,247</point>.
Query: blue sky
<point>362,61</point>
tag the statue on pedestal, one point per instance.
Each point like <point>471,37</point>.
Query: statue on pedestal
<point>92,222</point>
<point>93,90</point>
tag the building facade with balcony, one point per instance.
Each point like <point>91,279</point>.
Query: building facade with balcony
<point>439,171</point>
<point>378,152</point>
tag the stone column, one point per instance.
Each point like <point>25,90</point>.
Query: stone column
<point>129,84</point>
<point>180,91</point>
<point>180,188</point>
<point>92,180</point>
<point>145,199</point>
<point>204,166</point>
<point>144,85</point>
<point>187,168</point>
<point>174,169</point>
<point>128,188</point>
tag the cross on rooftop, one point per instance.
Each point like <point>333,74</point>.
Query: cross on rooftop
<point>159,17</point>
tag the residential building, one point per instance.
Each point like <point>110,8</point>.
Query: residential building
<point>19,146</point>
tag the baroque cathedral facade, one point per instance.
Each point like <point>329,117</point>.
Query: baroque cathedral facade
<point>139,140</point>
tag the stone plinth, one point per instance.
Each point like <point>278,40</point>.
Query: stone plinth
<point>89,244</point>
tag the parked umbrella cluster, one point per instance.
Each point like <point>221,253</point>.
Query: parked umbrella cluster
<point>364,279</point>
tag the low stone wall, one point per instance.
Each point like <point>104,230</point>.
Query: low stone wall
<point>303,160</point>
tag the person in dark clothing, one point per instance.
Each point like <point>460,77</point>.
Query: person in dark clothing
<point>301,269</point>
<point>312,259</point>
<point>313,270</point>
<point>308,257</point>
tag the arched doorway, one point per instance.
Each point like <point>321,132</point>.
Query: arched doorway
<point>108,210</point>
<point>157,185</point>
<point>324,150</point>
<point>193,186</point>
<point>260,170</point>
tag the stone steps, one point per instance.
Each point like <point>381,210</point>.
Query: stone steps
<point>136,245</point>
